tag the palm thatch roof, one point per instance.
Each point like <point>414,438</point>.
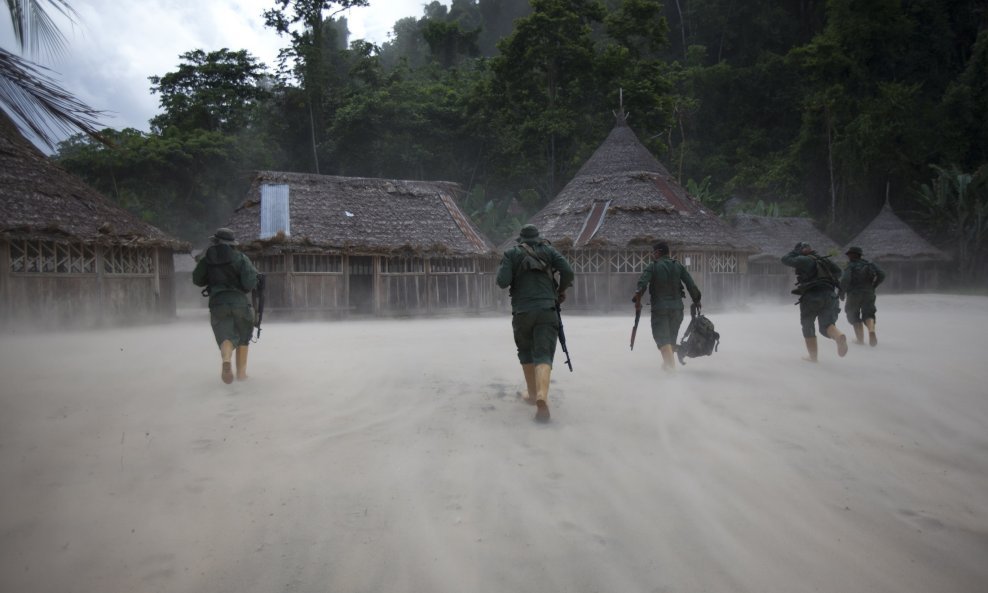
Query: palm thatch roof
<point>623,197</point>
<point>362,215</point>
<point>776,235</point>
<point>39,199</point>
<point>888,237</point>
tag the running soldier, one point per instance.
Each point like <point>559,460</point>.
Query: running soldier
<point>528,269</point>
<point>816,285</point>
<point>857,284</point>
<point>228,276</point>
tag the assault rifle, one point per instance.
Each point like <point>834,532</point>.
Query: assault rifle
<point>562,336</point>
<point>638,315</point>
<point>257,299</point>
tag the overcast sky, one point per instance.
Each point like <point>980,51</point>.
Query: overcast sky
<point>116,45</point>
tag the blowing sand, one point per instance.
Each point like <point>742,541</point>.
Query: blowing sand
<point>395,456</point>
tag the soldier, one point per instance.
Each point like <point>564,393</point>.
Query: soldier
<point>858,283</point>
<point>665,278</point>
<point>228,276</point>
<point>528,269</point>
<point>816,283</point>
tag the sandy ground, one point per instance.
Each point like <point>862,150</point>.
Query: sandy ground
<point>395,456</point>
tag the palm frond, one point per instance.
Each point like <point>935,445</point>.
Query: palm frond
<point>38,105</point>
<point>34,28</point>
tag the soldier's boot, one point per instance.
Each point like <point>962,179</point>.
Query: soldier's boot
<point>241,363</point>
<point>810,349</point>
<point>872,336</point>
<point>529,370</point>
<point>542,372</point>
<point>838,336</point>
<point>668,358</point>
<point>226,351</point>
<point>859,333</point>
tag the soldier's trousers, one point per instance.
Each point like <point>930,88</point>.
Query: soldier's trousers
<point>536,333</point>
<point>232,322</point>
<point>859,306</point>
<point>665,325</point>
<point>821,306</point>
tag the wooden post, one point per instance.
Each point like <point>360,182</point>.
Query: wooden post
<point>290,281</point>
<point>376,283</point>
<point>100,273</point>
<point>427,267</point>
<point>5,312</point>
<point>156,284</point>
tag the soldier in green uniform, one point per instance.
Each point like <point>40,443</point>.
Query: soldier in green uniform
<point>665,278</point>
<point>528,269</point>
<point>816,285</point>
<point>858,283</point>
<point>228,276</point>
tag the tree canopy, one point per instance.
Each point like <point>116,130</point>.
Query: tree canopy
<point>825,108</point>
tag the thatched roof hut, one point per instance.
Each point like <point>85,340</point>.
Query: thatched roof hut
<point>374,245</point>
<point>887,237</point>
<point>67,253</point>
<point>912,263</point>
<point>362,214</point>
<point>621,201</point>
<point>775,236</point>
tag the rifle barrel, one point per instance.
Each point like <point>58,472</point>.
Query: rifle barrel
<point>562,336</point>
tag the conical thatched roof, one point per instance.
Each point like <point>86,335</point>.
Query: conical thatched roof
<point>888,237</point>
<point>39,199</point>
<point>776,235</point>
<point>622,196</point>
<point>357,214</point>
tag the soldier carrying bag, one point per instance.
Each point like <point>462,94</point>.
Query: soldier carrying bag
<point>699,339</point>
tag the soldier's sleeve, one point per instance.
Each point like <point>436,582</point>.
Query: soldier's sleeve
<point>199,276</point>
<point>645,279</point>
<point>879,275</point>
<point>790,259</point>
<point>248,273</point>
<point>566,274</point>
<point>506,271</point>
<point>691,286</point>
<point>845,279</point>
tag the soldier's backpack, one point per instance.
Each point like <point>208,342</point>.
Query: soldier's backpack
<point>699,339</point>
<point>826,273</point>
<point>863,275</point>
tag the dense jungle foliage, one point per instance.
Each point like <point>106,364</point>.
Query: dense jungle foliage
<point>792,107</point>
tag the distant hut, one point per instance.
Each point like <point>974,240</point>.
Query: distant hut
<point>911,263</point>
<point>775,236</point>
<point>376,246</point>
<point>620,202</point>
<point>68,256</point>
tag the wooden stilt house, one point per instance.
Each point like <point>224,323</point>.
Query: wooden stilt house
<point>775,236</point>
<point>911,263</point>
<point>339,245</point>
<point>620,202</point>
<point>68,256</point>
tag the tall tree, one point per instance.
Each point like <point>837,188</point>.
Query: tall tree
<point>215,91</point>
<point>303,21</point>
<point>964,110</point>
<point>955,205</point>
<point>185,183</point>
<point>543,82</point>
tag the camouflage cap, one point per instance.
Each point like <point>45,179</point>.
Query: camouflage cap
<point>529,231</point>
<point>854,250</point>
<point>224,235</point>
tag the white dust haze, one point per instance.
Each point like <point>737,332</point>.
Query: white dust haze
<point>395,456</point>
